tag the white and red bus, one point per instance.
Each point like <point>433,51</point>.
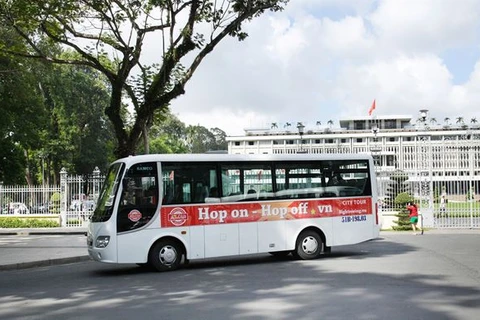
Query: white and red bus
<point>163,210</point>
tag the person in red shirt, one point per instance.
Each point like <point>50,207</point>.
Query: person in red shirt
<point>412,207</point>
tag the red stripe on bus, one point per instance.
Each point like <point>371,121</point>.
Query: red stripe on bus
<point>224,213</point>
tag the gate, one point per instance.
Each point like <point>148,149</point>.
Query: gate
<point>79,196</point>
<point>443,178</point>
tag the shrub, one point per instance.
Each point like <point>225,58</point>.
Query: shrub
<point>10,222</point>
<point>403,222</point>
<point>55,202</point>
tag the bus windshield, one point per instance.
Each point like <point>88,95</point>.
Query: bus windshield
<point>105,202</point>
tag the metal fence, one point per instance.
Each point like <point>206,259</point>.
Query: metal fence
<point>444,203</point>
<point>72,202</point>
<point>21,200</point>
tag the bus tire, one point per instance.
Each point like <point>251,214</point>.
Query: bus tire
<point>309,245</point>
<point>165,255</point>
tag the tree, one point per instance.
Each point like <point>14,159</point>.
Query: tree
<point>200,139</point>
<point>109,36</point>
<point>52,117</point>
<point>79,135</point>
<point>403,222</point>
<point>168,135</point>
<point>22,115</point>
<point>460,120</point>
<point>330,123</point>
<point>220,139</point>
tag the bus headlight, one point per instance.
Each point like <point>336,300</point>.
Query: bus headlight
<point>102,241</point>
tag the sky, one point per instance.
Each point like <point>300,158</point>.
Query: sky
<point>322,60</point>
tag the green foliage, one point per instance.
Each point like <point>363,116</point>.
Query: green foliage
<point>182,29</point>
<point>403,222</point>
<point>11,222</point>
<point>170,135</point>
<point>22,116</point>
<point>55,202</point>
<point>52,117</point>
<point>403,198</point>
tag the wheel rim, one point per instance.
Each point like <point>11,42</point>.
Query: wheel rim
<point>309,245</point>
<point>167,255</point>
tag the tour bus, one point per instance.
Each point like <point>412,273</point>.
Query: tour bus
<point>165,210</point>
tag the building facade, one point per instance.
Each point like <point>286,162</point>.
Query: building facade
<point>437,158</point>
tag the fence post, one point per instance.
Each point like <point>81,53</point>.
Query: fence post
<point>1,197</point>
<point>96,184</point>
<point>63,197</point>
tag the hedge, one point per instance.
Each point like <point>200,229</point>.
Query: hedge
<point>12,222</point>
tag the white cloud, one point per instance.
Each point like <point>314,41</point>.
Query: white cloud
<point>427,24</point>
<point>325,59</point>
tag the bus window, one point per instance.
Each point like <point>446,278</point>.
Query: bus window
<point>298,181</point>
<point>322,179</point>
<point>105,203</point>
<point>246,181</point>
<point>185,183</point>
<point>138,200</point>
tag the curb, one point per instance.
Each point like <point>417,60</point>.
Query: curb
<point>43,263</point>
<point>40,233</point>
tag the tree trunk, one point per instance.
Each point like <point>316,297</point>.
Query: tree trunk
<point>145,140</point>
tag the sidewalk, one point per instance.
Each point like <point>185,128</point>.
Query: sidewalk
<point>38,247</point>
<point>41,231</point>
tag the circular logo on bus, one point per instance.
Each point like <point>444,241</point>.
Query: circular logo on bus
<point>177,217</point>
<point>134,215</point>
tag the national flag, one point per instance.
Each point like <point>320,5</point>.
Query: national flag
<point>370,111</point>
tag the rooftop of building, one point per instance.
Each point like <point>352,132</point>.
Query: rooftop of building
<point>401,123</point>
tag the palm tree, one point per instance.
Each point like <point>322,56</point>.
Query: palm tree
<point>447,120</point>
<point>330,123</point>
<point>319,123</point>
<point>288,124</point>
<point>274,125</point>
<point>460,120</point>
<point>473,120</point>
<point>433,121</point>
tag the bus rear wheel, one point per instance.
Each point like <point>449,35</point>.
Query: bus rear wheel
<point>309,245</point>
<point>165,255</point>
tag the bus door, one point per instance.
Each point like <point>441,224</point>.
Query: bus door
<point>137,207</point>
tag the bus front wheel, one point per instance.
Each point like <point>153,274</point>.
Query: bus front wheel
<point>166,255</point>
<point>309,245</point>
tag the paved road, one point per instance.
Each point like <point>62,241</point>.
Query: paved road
<point>400,276</point>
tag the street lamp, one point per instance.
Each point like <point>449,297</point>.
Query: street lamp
<point>375,149</point>
<point>423,116</point>
<point>301,129</point>
<point>425,176</point>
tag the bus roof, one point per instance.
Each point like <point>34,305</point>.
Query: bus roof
<point>241,157</point>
